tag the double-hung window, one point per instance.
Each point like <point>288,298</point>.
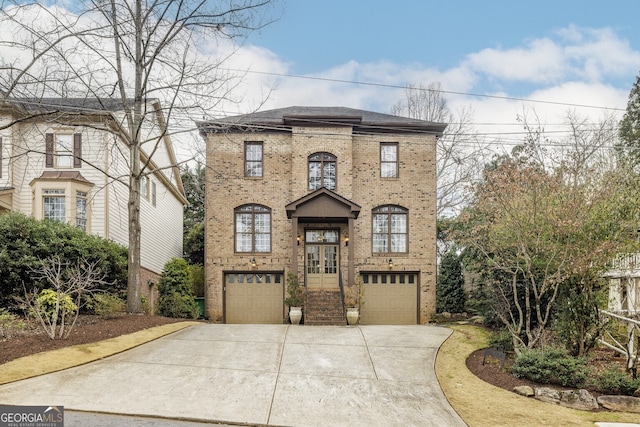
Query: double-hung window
<point>81,210</point>
<point>253,159</point>
<point>322,171</point>
<point>253,228</point>
<point>63,150</point>
<point>54,205</point>
<point>389,160</point>
<point>390,229</point>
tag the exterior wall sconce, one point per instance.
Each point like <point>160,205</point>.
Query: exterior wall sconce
<point>390,263</point>
<point>253,262</point>
<point>299,239</point>
<point>346,241</point>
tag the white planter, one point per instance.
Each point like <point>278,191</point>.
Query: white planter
<point>295,315</point>
<point>352,315</point>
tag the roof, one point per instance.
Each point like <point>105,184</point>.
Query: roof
<point>64,175</point>
<point>79,105</point>
<point>282,119</point>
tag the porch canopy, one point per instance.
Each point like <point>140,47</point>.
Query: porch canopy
<point>322,205</point>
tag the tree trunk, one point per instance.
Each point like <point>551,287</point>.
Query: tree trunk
<point>134,296</point>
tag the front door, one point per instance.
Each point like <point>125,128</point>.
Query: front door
<point>321,258</point>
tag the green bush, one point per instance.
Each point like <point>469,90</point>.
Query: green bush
<point>551,366</point>
<point>502,340</point>
<point>46,302</point>
<point>107,304</point>
<point>450,295</point>
<point>614,381</point>
<point>24,241</point>
<point>197,274</point>
<point>10,323</point>
<point>175,290</point>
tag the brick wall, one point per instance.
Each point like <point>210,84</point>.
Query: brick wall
<point>285,180</point>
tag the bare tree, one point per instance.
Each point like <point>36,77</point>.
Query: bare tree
<point>460,152</point>
<point>60,303</point>
<point>120,55</point>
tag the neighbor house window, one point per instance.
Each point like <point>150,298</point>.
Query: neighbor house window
<point>253,159</point>
<point>253,228</point>
<point>63,150</point>
<point>389,160</point>
<point>54,205</point>
<point>144,187</point>
<point>81,210</point>
<point>390,229</point>
<point>322,171</point>
<point>153,193</point>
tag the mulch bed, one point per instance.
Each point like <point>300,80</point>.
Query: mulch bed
<point>87,329</point>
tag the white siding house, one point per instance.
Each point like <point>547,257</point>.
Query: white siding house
<point>65,164</point>
<point>624,284</point>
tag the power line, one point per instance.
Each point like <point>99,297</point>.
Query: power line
<point>392,86</point>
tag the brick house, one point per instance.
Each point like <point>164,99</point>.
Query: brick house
<point>326,193</point>
<point>59,160</point>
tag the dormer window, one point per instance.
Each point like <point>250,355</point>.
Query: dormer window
<point>322,171</point>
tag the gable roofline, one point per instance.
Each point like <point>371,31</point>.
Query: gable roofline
<point>283,119</point>
<point>353,208</point>
<point>73,111</point>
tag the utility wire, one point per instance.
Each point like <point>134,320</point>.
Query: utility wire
<point>392,86</point>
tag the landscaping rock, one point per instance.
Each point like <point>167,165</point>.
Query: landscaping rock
<point>446,315</point>
<point>547,394</point>
<point>524,390</point>
<point>478,320</point>
<point>578,399</point>
<point>620,403</point>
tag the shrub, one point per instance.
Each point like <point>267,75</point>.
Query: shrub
<point>10,323</point>
<point>502,340</point>
<point>295,291</point>
<point>614,381</point>
<point>197,274</point>
<point>24,241</point>
<point>47,307</point>
<point>108,304</point>
<point>450,285</point>
<point>551,366</point>
<point>176,297</point>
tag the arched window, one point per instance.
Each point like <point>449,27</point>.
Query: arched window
<point>390,229</point>
<point>253,228</point>
<point>322,171</point>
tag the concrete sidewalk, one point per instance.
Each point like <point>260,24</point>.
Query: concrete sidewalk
<point>262,374</point>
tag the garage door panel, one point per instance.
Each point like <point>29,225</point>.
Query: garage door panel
<point>390,303</point>
<point>254,302</point>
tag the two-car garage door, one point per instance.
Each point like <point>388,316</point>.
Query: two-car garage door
<point>390,299</point>
<point>254,298</point>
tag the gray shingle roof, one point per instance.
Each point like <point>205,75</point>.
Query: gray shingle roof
<point>70,105</point>
<point>361,120</point>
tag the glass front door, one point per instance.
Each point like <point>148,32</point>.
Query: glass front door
<point>321,258</point>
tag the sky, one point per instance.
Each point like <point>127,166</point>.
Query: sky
<point>500,61</point>
<point>493,57</point>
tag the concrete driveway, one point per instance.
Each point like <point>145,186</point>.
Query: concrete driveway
<point>279,375</point>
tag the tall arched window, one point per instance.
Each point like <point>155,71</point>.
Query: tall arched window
<point>390,229</point>
<point>322,171</point>
<point>253,228</point>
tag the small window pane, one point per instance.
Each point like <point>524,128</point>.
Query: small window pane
<point>231,278</point>
<point>253,159</point>
<point>64,151</point>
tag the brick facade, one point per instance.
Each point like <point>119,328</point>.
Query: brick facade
<point>354,139</point>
